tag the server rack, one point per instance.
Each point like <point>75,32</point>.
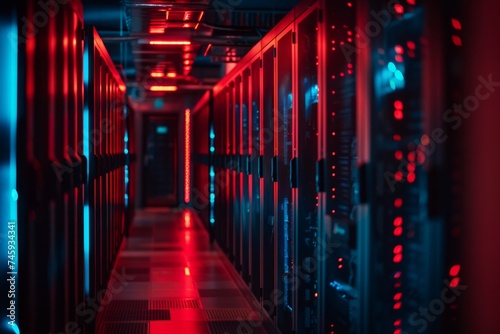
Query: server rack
<point>51,168</point>
<point>340,182</point>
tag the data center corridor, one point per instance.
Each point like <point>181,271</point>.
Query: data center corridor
<point>169,279</point>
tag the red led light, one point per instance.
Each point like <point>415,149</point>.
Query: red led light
<point>396,137</point>
<point>398,155</point>
<point>399,9</point>
<point>397,306</point>
<point>398,296</point>
<point>397,275</point>
<point>398,203</point>
<point>411,177</point>
<point>340,266</point>
<point>455,270</point>
<point>399,58</point>
<point>456,24</point>
<point>397,322</point>
<point>411,167</point>
<point>187,156</point>
<point>421,157</point>
<point>398,176</point>
<point>349,4</point>
<point>398,114</point>
<point>340,259</point>
<point>411,45</point>
<point>398,221</point>
<point>411,156</point>
<point>411,2</point>
<point>398,249</point>
<point>398,231</point>
<point>456,40</point>
<point>397,258</point>
<point>454,282</point>
<point>399,49</point>
<point>398,104</point>
<point>397,331</point>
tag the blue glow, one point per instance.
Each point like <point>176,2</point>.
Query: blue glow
<point>212,220</point>
<point>392,84</point>
<point>212,174</point>
<point>158,103</point>
<point>212,198</point>
<point>125,151</point>
<point>86,153</point>
<point>212,149</point>
<point>125,139</point>
<point>391,67</point>
<point>8,164</point>
<point>399,75</point>
<point>15,195</point>
<point>161,130</point>
<point>212,134</point>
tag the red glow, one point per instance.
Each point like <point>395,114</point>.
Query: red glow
<point>171,74</point>
<point>398,249</point>
<point>399,9</point>
<point>157,74</point>
<point>399,58</point>
<point>156,30</point>
<point>411,2</point>
<point>399,49</point>
<point>397,275</point>
<point>398,104</point>
<point>398,155</point>
<point>411,167</point>
<point>340,259</point>
<point>398,221</point>
<point>396,137</point>
<point>411,156</point>
<point>163,88</point>
<point>397,306</point>
<point>398,203</point>
<point>411,45</point>
<point>397,322</point>
<point>349,4</point>
<point>456,40</point>
<point>187,272</point>
<point>187,219</point>
<point>454,282</point>
<point>170,42</point>
<point>456,24</point>
<point>398,231</point>
<point>187,156</point>
<point>397,331</point>
<point>397,258</point>
<point>421,157</point>
<point>398,176</point>
<point>398,114</point>
<point>411,177</point>
<point>455,270</point>
<point>398,296</point>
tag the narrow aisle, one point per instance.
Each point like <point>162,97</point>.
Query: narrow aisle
<point>170,280</point>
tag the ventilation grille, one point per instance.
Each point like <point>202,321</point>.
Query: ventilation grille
<point>136,315</point>
<point>125,328</point>
<point>218,292</point>
<point>163,304</point>
<point>127,305</point>
<point>229,314</point>
<point>231,327</point>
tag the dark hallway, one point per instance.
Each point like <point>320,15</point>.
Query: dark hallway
<point>171,280</point>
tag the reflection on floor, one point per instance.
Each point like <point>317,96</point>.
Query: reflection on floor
<point>171,280</point>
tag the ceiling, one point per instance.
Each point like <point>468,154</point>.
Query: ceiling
<point>175,50</point>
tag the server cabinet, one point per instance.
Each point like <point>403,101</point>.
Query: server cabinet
<point>303,173</point>
<point>104,124</point>
<point>51,168</point>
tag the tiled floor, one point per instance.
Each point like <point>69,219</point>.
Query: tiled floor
<point>176,283</point>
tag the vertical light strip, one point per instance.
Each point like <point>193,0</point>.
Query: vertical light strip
<point>212,176</point>
<point>86,153</point>
<point>187,156</point>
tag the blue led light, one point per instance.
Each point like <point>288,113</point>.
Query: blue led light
<point>212,220</point>
<point>125,151</point>
<point>391,67</point>
<point>212,149</point>
<point>392,84</point>
<point>86,153</point>
<point>212,135</point>
<point>212,174</point>
<point>15,195</point>
<point>399,75</point>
